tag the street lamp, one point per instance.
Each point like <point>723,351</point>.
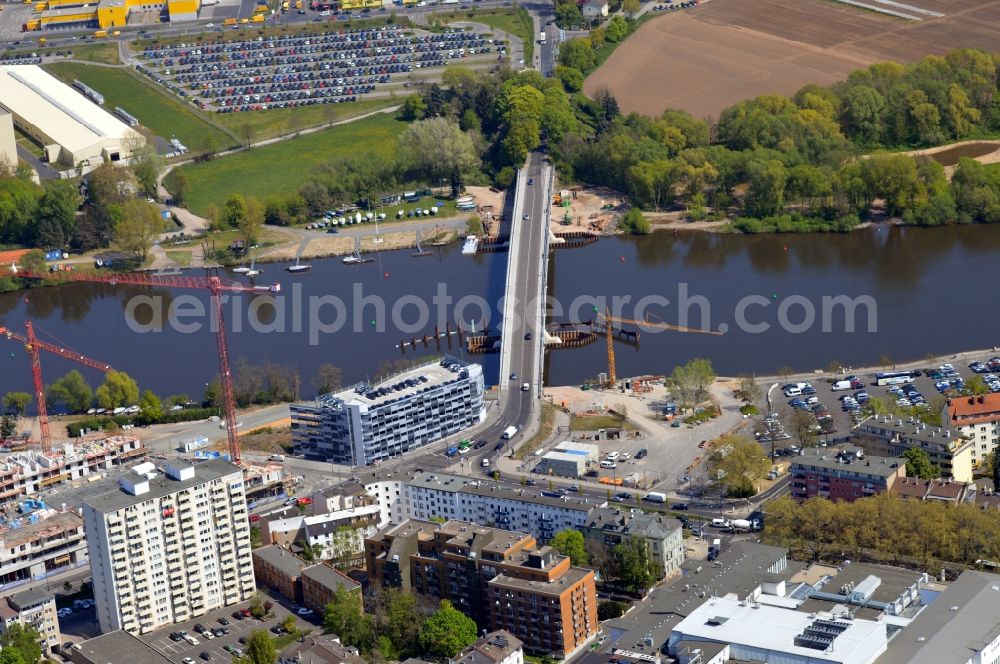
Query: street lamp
<point>770,420</point>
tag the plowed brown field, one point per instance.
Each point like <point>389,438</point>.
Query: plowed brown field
<point>706,58</point>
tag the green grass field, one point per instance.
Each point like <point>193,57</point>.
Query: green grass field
<point>282,167</point>
<point>275,122</point>
<point>162,113</point>
<point>106,52</point>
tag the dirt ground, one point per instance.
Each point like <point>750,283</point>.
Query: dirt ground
<point>709,57</point>
<point>585,210</point>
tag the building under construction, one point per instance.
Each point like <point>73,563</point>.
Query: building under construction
<point>28,473</point>
<point>36,540</point>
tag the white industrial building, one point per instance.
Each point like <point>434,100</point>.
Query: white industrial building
<point>568,459</point>
<point>542,514</point>
<point>71,129</point>
<point>169,544</point>
<point>758,632</point>
<point>366,424</point>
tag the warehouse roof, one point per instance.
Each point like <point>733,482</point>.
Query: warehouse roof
<point>57,110</point>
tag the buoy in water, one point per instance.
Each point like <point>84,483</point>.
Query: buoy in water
<point>622,259</point>
<point>385,274</point>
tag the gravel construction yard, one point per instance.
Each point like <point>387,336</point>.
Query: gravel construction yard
<point>709,57</point>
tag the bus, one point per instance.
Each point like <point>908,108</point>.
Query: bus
<point>894,378</point>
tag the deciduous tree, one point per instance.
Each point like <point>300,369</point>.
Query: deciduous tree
<point>570,543</point>
<point>73,391</point>
<point>138,228</point>
<point>16,402</point>
<point>118,389</point>
<point>739,463</point>
<point>447,631</point>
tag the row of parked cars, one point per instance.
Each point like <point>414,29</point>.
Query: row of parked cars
<point>302,70</point>
<point>675,5</point>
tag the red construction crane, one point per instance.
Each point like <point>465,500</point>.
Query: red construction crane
<point>32,344</point>
<point>214,285</point>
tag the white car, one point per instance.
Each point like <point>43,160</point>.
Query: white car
<point>626,456</point>
<point>207,635</point>
<point>187,660</point>
<point>612,456</point>
<point>62,613</point>
<point>305,611</point>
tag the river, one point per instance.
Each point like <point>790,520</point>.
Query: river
<point>912,291</point>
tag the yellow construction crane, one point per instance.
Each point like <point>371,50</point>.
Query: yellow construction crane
<point>608,319</point>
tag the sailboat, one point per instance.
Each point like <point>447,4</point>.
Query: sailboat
<point>242,269</point>
<point>299,267</point>
<point>253,271</point>
<point>356,259</point>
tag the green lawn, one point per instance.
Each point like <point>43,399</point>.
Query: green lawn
<point>106,52</point>
<point>162,113</point>
<point>275,122</point>
<point>595,422</point>
<point>283,167</point>
<point>182,258</point>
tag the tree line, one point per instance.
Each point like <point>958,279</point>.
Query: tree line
<point>887,529</point>
<point>111,210</point>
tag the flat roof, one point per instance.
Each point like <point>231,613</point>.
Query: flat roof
<point>961,621</point>
<point>396,388</point>
<point>160,486</point>
<point>771,629</point>
<point>57,110</point>
<point>572,576</point>
<point>30,597</point>
<point>875,466</point>
<point>57,523</point>
<point>456,483</point>
<point>117,646</point>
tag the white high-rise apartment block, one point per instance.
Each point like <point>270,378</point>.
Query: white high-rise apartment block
<point>169,544</point>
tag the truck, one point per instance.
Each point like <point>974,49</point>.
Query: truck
<point>509,432</point>
<point>741,525</point>
<point>257,18</point>
<point>841,385</point>
<point>229,21</point>
<point>100,34</point>
<point>655,497</point>
<point>541,38</point>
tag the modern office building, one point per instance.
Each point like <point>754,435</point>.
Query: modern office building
<point>892,437</point>
<point>368,423</point>
<point>662,535</point>
<point>540,513</point>
<point>502,580</point>
<point>169,544</point>
<point>843,475</point>
<point>33,608</point>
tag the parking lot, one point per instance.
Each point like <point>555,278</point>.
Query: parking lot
<point>840,406</point>
<point>287,72</point>
<point>215,647</point>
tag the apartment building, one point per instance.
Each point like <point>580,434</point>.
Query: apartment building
<point>319,584</point>
<point>502,580</point>
<point>168,544</point>
<point>843,476</point>
<point>367,423</point>
<point>944,490</point>
<point>976,418</point>
<point>663,535</point>
<point>527,509</point>
<point>37,609</point>
<point>891,437</point>
<point>27,473</point>
<point>500,647</point>
<point>39,543</point>
<point>280,569</point>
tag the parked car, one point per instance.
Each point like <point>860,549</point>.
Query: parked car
<point>641,454</point>
<point>304,611</point>
<point>679,506</point>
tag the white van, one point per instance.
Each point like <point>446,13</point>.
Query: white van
<point>655,497</point>
<point>486,463</point>
<point>792,391</point>
<point>276,457</point>
<point>608,464</point>
<point>612,456</point>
